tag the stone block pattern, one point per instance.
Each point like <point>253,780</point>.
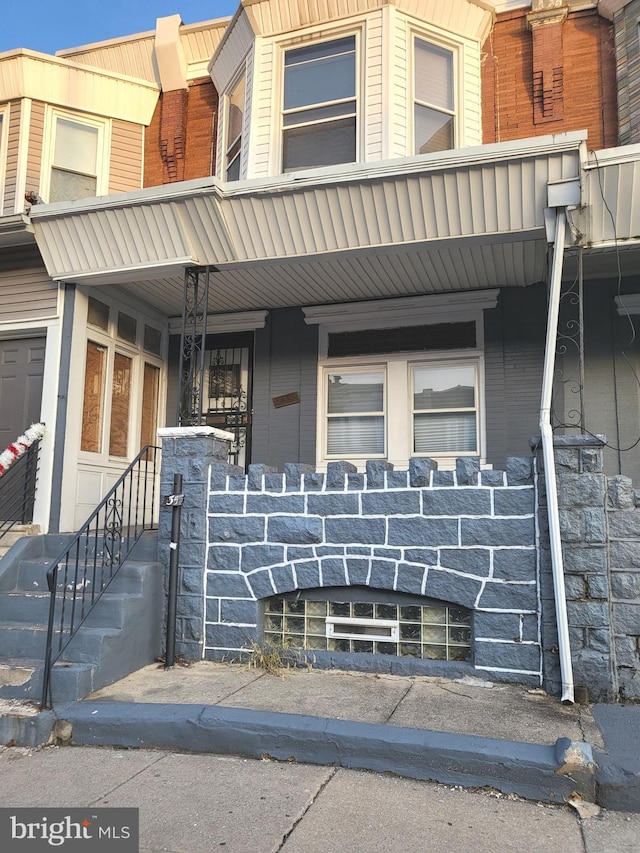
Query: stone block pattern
<point>460,537</point>
<point>582,488</point>
<point>191,456</point>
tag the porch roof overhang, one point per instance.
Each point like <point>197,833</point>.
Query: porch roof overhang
<point>454,221</point>
<point>16,230</point>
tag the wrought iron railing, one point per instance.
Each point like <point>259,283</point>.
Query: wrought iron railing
<point>18,490</point>
<point>81,574</point>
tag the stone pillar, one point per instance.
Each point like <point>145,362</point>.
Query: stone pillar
<point>189,451</point>
<point>583,528</point>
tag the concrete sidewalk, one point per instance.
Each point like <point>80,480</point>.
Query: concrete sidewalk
<point>467,732</point>
<point>201,803</point>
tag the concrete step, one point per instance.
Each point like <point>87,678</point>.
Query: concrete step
<point>17,532</point>
<point>33,607</point>
<point>24,640</point>
<point>31,577</point>
<point>23,680</point>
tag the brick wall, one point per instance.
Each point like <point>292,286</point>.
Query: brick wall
<point>580,84</point>
<point>180,141</point>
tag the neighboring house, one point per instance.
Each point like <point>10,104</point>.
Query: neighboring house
<point>367,230</point>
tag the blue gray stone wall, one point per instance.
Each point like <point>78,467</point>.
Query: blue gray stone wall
<point>582,488</point>
<point>465,537</point>
<point>189,451</point>
<point>623,516</point>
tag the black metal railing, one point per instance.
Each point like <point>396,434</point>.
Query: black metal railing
<point>18,490</point>
<point>83,571</point>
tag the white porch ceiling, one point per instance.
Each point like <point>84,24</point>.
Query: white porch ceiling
<point>459,220</point>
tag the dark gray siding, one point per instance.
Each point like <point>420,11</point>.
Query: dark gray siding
<point>514,356</point>
<point>628,72</point>
<point>286,353</point>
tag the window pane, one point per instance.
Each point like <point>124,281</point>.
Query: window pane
<point>320,145</point>
<point>120,403</point>
<point>356,392</point>
<point>68,186</point>
<point>445,387</point>
<point>152,339</point>
<point>98,314</point>
<point>149,422</point>
<point>355,435</point>
<point>93,400</point>
<point>318,114</point>
<point>76,147</point>
<point>433,75</point>
<point>445,433</point>
<point>127,327</point>
<point>236,112</point>
<point>433,131</point>
<point>319,73</point>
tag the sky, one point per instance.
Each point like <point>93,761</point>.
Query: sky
<point>51,25</point>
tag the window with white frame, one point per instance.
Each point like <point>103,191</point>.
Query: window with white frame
<point>121,383</point>
<point>434,97</point>
<point>76,158</point>
<point>320,104</point>
<point>235,108</point>
<point>401,405</point>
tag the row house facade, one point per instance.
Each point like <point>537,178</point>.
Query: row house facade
<point>398,231</point>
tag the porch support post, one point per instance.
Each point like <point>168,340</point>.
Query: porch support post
<point>192,346</point>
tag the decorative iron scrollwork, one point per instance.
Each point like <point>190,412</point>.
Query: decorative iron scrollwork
<point>192,345</point>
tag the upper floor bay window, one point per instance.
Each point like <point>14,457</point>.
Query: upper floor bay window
<point>233,138</point>
<point>319,115</point>
<point>434,104</point>
<point>74,159</point>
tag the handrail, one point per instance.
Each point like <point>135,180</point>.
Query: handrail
<point>80,575</point>
<point>17,490</point>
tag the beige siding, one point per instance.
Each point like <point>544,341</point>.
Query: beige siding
<point>132,57</point>
<point>34,158</point>
<point>400,116</point>
<point>470,127</point>
<point>371,106</point>
<point>127,142</point>
<point>11,177</point>
<point>26,291</point>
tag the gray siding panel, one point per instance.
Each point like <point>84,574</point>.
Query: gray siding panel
<point>26,291</point>
<point>514,358</point>
<point>285,362</point>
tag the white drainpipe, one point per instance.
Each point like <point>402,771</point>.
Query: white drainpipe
<point>566,669</point>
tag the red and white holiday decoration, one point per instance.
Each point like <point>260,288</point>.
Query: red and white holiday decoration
<point>20,446</point>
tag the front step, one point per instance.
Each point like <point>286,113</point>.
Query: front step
<point>120,634</point>
<point>17,532</point>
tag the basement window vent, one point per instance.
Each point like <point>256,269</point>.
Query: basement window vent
<point>430,631</point>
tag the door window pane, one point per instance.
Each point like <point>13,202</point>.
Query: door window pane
<point>120,405</point>
<point>149,422</point>
<point>93,400</point>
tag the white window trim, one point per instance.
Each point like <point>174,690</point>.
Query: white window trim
<point>398,408</point>
<point>436,38</point>
<point>396,313</point>
<point>355,28</point>
<point>5,113</point>
<point>103,126</point>
<point>113,344</point>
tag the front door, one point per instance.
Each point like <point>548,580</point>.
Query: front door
<point>227,395</point>
<point>21,372</point>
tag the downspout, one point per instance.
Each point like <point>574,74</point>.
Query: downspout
<point>557,565</point>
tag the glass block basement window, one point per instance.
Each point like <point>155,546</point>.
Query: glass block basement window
<point>429,631</point>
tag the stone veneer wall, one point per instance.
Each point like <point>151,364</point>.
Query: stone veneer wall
<point>465,537</point>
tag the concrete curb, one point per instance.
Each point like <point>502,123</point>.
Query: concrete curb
<point>546,773</point>
<point>18,729</point>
